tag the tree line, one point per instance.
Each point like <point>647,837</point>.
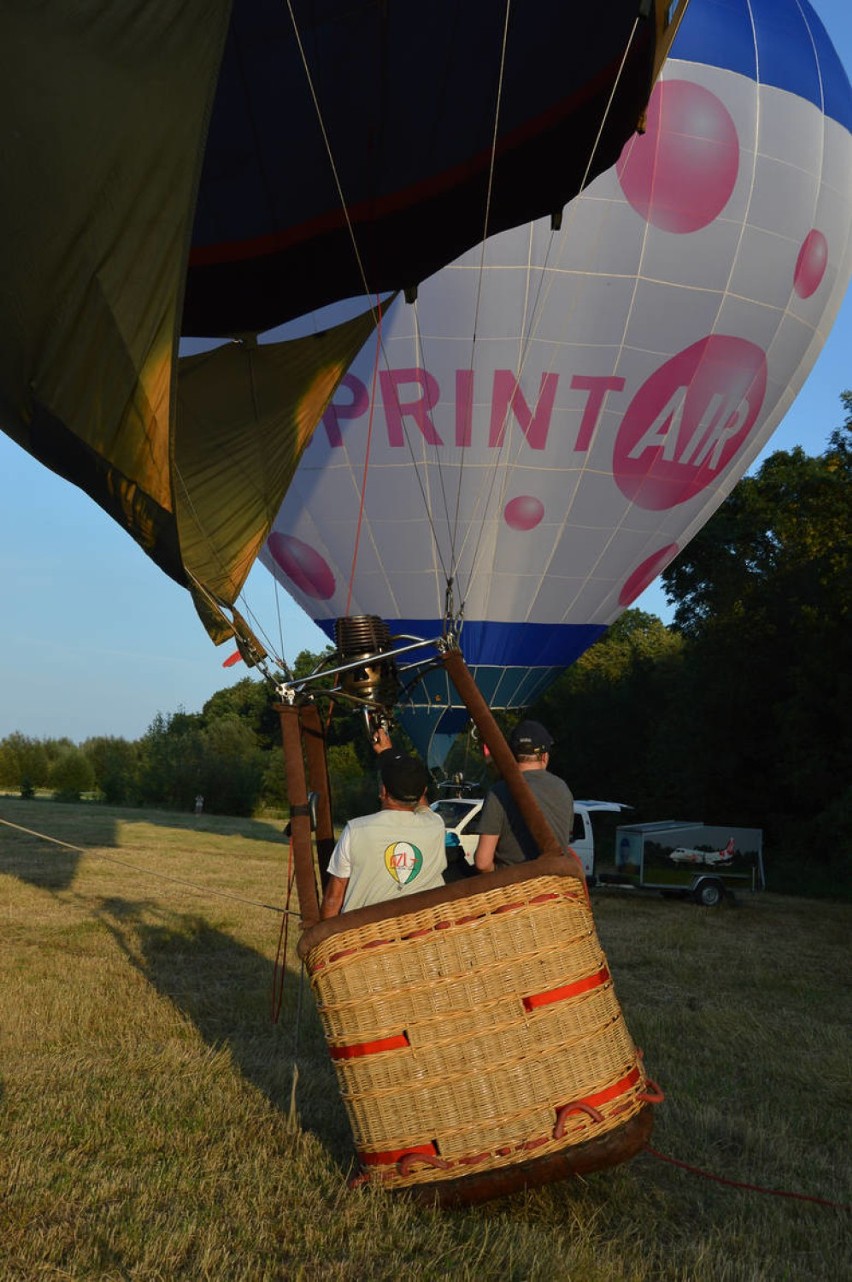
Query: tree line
<point>739,712</point>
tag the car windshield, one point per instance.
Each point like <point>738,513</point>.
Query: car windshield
<point>453,812</point>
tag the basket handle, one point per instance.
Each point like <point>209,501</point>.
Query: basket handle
<point>578,1107</point>
<point>652,1093</point>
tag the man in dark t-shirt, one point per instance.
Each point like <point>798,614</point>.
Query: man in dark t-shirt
<point>504,838</point>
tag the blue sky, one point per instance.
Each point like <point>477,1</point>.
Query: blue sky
<point>98,641</point>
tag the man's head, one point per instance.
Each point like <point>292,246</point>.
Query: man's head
<point>404,778</point>
<point>530,741</point>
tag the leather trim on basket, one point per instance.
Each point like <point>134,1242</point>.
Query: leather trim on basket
<point>578,1159</point>
<point>545,866</point>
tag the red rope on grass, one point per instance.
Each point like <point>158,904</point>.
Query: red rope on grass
<point>739,1184</point>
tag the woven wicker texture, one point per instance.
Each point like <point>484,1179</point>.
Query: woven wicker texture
<point>470,1031</point>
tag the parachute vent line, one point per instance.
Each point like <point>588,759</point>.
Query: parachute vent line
<point>330,154</point>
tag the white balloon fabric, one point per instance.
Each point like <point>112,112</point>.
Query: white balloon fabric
<point>547,426</point>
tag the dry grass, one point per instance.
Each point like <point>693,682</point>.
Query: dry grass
<point>146,1094</point>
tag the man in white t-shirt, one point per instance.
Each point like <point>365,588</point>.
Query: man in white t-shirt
<point>396,851</point>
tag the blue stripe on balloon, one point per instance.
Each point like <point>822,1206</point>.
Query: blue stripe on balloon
<point>778,42</point>
<point>490,645</point>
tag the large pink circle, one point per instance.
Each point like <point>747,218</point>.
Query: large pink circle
<point>645,573</point>
<point>811,264</point>
<point>680,174</point>
<point>524,512</point>
<point>688,420</point>
<point>303,565</point>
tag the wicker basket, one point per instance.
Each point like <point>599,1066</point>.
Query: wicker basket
<point>476,1033</point>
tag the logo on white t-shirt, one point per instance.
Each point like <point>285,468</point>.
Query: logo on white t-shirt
<point>403,861</point>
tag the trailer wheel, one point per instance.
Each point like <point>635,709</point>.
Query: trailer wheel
<point>709,894</point>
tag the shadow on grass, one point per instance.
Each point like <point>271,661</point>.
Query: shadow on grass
<point>226,989</point>
<point>41,840</point>
<point>219,825</point>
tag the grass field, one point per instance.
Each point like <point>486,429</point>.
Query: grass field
<point>148,1124</point>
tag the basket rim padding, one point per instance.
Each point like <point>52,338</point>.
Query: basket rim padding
<point>544,866</point>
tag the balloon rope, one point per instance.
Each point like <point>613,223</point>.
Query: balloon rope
<point>740,1184</point>
<point>357,541</point>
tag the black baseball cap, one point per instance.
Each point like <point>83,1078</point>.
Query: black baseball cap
<point>528,737</point>
<point>404,777</point>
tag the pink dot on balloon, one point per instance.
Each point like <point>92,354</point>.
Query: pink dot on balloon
<point>523,513</point>
<point>811,264</point>
<point>643,576</point>
<point>303,565</point>
<point>688,421</point>
<point>680,173</point>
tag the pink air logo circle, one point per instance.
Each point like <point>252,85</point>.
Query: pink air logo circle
<point>680,174</point>
<point>811,264</point>
<point>688,420</point>
<point>303,565</point>
<point>524,512</point>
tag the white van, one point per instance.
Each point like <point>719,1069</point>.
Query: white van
<point>459,814</point>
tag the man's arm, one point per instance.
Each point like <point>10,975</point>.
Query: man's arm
<point>333,895</point>
<point>483,856</point>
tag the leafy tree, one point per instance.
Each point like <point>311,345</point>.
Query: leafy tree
<point>115,763</point>
<point>603,712</point>
<point>24,763</point>
<point>354,790</point>
<point>170,753</point>
<point>252,702</point>
<point>763,596</point>
<point>231,766</point>
<point>71,774</point>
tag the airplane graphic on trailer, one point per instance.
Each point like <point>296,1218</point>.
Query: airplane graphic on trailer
<point>710,857</point>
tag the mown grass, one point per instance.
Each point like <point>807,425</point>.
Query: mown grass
<point>147,1128</point>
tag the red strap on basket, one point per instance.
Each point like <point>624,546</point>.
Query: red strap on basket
<point>567,990</point>
<point>399,1041</point>
<point>392,1156</point>
<point>612,1092</point>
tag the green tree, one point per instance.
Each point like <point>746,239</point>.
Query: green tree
<point>24,763</point>
<point>604,711</point>
<point>71,774</point>
<point>253,703</point>
<point>115,763</point>
<point>763,596</point>
<point>231,766</point>
<point>170,756</point>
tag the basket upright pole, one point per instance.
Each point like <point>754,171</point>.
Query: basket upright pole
<point>313,737</point>
<point>300,816</point>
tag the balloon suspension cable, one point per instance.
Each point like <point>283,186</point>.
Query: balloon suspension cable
<point>543,290</point>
